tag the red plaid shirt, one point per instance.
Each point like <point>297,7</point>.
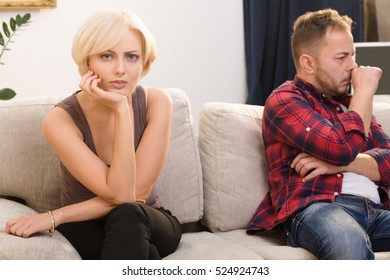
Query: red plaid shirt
<point>299,118</point>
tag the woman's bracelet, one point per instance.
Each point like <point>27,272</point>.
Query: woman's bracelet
<point>53,224</point>
<point>143,201</point>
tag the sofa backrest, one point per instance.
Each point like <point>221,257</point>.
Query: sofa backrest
<point>382,115</point>
<point>29,169</point>
<point>233,162</point>
<point>234,166</point>
<point>180,184</point>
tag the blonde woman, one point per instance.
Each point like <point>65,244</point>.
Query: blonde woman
<point>112,139</point>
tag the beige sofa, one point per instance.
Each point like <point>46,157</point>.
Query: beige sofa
<point>216,179</point>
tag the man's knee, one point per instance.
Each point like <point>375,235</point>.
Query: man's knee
<point>346,244</point>
<point>330,233</point>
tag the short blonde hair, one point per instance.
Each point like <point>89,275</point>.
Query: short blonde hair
<point>104,30</point>
<point>309,31</point>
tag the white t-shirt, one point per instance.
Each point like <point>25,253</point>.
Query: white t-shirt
<point>355,184</point>
<point>359,185</point>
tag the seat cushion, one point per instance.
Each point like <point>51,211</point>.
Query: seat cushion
<point>208,246</point>
<point>268,244</point>
<point>37,247</point>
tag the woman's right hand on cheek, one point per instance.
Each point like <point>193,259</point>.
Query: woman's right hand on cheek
<point>89,84</point>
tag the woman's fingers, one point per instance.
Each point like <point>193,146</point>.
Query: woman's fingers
<point>87,81</point>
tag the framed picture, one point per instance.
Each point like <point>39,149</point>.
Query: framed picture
<point>27,4</point>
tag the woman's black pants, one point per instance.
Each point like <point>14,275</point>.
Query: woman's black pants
<point>130,231</point>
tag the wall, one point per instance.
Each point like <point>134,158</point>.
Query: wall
<point>200,47</point>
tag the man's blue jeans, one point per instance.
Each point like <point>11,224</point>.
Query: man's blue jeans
<point>351,227</point>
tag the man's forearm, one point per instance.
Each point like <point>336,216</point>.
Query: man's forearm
<point>365,165</point>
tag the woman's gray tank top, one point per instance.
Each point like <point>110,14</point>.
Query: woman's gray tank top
<point>73,191</point>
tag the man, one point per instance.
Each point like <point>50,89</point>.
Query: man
<point>329,159</point>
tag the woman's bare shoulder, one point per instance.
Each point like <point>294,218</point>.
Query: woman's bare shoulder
<point>58,122</point>
<point>157,96</point>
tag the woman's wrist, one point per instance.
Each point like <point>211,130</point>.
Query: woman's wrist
<point>52,230</point>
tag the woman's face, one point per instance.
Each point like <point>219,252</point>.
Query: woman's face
<point>121,67</point>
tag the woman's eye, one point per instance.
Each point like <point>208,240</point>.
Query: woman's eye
<point>132,57</point>
<point>106,56</point>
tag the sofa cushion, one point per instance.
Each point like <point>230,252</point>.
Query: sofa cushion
<point>180,184</point>
<point>382,98</point>
<point>381,111</point>
<point>37,247</point>
<point>268,244</point>
<point>208,246</point>
<point>29,168</point>
<point>233,163</point>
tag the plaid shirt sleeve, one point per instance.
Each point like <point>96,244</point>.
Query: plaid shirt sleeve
<point>380,150</point>
<point>306,125</point>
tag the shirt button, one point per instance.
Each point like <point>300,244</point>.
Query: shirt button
<point>339,175</point>
<point>307,128</point>
<point>336,193</point>
<point>337,109</point>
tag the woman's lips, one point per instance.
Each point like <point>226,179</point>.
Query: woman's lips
<point>118,84</point>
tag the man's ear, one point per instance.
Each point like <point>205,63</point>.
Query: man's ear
<point>308,64</point>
